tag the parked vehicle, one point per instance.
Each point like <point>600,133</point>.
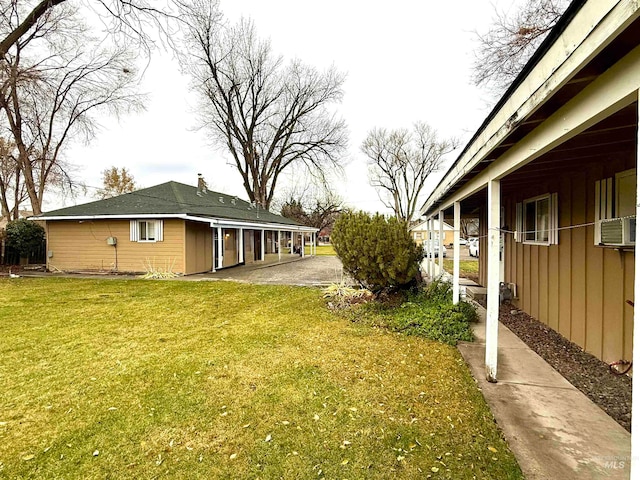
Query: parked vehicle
<point>436,249</point>
<point>474,247</point>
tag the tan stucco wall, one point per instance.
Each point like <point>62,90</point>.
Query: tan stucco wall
<point>83,246</point>
<point>575,287</point>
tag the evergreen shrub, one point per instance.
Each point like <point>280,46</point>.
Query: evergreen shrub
<point>378,252</point>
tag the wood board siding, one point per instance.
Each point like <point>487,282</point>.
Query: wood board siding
<point>198,248</point>
<point>82,245</point>
<point>577,288</point>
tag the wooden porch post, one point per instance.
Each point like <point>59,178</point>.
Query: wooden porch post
<point>262,239</point>
<point>493,280</point>
<point>441,242</point>
<point>214,249</point>
<point>302,236</point>
<point>456,252</point>
<point>635,394</point>
<point>292,243</point>
<point>240,245</point>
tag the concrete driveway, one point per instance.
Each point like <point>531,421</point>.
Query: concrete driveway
<point>308,271</point>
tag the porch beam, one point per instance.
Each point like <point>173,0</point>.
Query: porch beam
<point>456,253</point>
<point>610,92</point>
<point>635,394</point>
<point>493,280</point>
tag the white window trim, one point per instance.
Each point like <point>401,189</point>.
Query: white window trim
<point>134,230</point>
<point>520,231</point>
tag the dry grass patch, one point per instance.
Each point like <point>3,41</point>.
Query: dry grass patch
<point>132,379</point>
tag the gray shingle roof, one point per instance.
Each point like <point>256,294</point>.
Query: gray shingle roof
<point>173,198</point>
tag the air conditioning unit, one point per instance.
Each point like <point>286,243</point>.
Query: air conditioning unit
<point>618,231</point>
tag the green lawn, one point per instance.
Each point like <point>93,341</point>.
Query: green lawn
<point>321,250</point>
<point>468,268</point>
<point>143,379</point>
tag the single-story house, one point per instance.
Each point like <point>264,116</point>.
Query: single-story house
<point>421,232</point>
<point>171,226</point>
<point>552,175</point>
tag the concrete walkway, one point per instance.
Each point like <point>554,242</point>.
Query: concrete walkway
<point>553,429</point>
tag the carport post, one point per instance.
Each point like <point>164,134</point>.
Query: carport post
<point>302,234</point>
<point>292,242</point>
<point>441,242</point>
<point>493,280</point>
<point>432,256</point>
<point>240,245</point>
<point>456,252</point>
<point>262,238</point>
<point>635,394</point>
<point>279,247</point>
<point>220,249</point>
<point>428,251</point>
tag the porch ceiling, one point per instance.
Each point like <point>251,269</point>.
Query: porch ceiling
<point>613,134</point>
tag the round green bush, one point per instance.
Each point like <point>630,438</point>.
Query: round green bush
<point>24,236</point>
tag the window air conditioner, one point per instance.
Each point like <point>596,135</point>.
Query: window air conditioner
<point>618,231</point>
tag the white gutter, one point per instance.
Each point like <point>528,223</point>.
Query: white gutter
<point>218,222</point>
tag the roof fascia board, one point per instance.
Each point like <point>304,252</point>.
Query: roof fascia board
<point>572,50</point>
<point>210,220</point>
<point>613,90</point>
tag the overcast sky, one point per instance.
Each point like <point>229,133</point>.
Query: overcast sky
<point>405,61</point>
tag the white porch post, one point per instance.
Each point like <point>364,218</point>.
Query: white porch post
<point>456,252</point>
<point>214,248</point>
<point>240,245</point>
<point>430,247</point>
<point>220,247</point>
<point>635,394</point>
<point>493,280</point>
<point>441,242</point>
<point>302,236</point>
<point>262,240</point>
<point>292,243</point>
<point>279,247</point>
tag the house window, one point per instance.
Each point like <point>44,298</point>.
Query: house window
<point>418,235</point>
<point>537,220</point>
<point>146,230</point>
<point>615,209</point>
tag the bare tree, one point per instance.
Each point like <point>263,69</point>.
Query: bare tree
<point>400,162</point>
<point>12,190</point>
<point>509,43</point>
<point>116,182</point>
<point>123,18</point>
<point>53,84</point>
<point>313,206</point>
<point>270,116</point>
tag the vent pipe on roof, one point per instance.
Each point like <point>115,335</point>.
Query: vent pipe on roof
<point>202,186</point>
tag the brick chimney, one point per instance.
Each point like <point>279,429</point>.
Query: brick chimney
<point>202,186</point>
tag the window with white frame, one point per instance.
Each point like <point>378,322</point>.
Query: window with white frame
<point>537,220</point>
<point>146,230</point>
<point>615,210</point>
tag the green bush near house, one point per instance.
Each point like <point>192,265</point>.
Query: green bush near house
<point>376,251</point>
<point>427,313</point>
<point>24,236</point>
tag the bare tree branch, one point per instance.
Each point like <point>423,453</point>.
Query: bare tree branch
<point>401,161</point>
<point>270,116</point>
<point>506,47</point>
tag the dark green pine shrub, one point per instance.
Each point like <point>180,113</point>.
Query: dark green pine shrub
<point>376,251</point>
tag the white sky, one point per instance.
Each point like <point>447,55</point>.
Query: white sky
<point>405,60</point>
